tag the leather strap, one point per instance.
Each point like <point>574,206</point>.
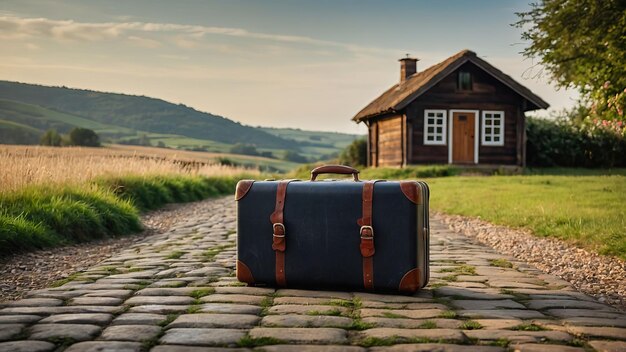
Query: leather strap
<point>279,245</point>
<point>367,234</point>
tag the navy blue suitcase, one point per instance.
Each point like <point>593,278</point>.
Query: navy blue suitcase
<point>347,235</point>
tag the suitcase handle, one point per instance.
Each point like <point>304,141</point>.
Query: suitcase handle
<point>335,169</point>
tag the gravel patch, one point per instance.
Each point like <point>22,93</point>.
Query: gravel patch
<point>599,276</point>
<point>21,273</point>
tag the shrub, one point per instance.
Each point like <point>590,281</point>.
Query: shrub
<point>292,156</point>
<point>355,154</point>
<point>592,143</point>
<point>51,138</point>
<point>84,137</point>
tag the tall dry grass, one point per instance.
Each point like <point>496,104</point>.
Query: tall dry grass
<point>22,166</point>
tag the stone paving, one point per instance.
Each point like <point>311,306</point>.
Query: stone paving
<point>177,292</point>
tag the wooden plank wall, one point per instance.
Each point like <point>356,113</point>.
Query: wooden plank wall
<point>390,146</point>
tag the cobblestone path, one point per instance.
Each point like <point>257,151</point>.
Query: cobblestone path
<point>177,292</point>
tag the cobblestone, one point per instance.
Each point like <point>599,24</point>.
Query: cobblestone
<point>143,296</point>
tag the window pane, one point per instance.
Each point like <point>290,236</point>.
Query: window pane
<point>487,138</point>
<point>440,122</point>
<point>465,81</point>
<point>429,137</point>
<point>439,114</point>
<point>431,130</point>
<point>488,122</point>
<point>488,116</point>
<point>430,114</point>
<point>496,130</point>
<point>487,130</point>
<point>431,121</point>
<point>496,138</point>
<point>439,130</point>
<point>438,138</point>
<point>496,122</point>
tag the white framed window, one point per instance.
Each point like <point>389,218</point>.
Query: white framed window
<point>493,128</point>
<point>435,127</point>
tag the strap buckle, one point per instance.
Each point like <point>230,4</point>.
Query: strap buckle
<point>281,226</point>
<point>365,228</point>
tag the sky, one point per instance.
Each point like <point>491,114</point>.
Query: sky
<point>302,64</point>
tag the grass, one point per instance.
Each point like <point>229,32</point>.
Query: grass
<point>528,327</point>
<point>251,342</point>
<point>210,253</point>
<point>393,315</point>
<point>199,293</point>
<point>461,270</point>
<point>470,325</point>
<point>502,263</point>
<point>41,217</point>
<point>587,211</point>
<point>428,324</point>
<point>448,314</point>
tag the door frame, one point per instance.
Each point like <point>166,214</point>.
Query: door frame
<point>450,130</point>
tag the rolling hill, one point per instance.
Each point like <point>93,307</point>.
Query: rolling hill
<point>139,113</point>
<point>27,110</point>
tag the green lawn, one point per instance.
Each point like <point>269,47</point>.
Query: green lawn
<point>588,211</point>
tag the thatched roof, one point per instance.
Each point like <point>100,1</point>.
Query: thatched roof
<point>402,94</point>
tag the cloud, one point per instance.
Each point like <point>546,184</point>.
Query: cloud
<point>12,27</point>
<point>144,42</point>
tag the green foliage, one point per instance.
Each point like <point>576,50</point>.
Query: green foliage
<point>40,217</point>
<point>580,43</point>
<point>355,154</point>
<point>528,327</point>
<point>295,157</point>
<point>592,143</point>
<point>428,324</point>
<point>201,292</point>
<point>51,138</point>
<point>470,325</point>
<point>84,137</point>
<point>43,217</point>
<point>502,263</point>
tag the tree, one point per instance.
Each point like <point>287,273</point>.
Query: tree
<point>355,154</point>
<point>84,137</point>
<point>51,138</point>
<point>581,44</point>
<point>292,156</point>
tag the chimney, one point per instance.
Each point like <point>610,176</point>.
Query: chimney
<point>408,66</point>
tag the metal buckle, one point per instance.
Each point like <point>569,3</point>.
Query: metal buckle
<point>366,228</point>
<point>280,224</point>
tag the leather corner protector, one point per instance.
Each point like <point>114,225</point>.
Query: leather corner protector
<point>243,187</point>
<point>244,274</point>
<point>410,281</point>
<point>411,191</point>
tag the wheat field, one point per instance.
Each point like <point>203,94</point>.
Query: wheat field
<point>22,166</point>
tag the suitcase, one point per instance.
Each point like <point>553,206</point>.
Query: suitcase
<point>339,235</point>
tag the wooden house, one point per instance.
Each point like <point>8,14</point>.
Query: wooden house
<point>459,111</point>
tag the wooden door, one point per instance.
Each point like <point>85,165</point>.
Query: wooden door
<point>463,137</point>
